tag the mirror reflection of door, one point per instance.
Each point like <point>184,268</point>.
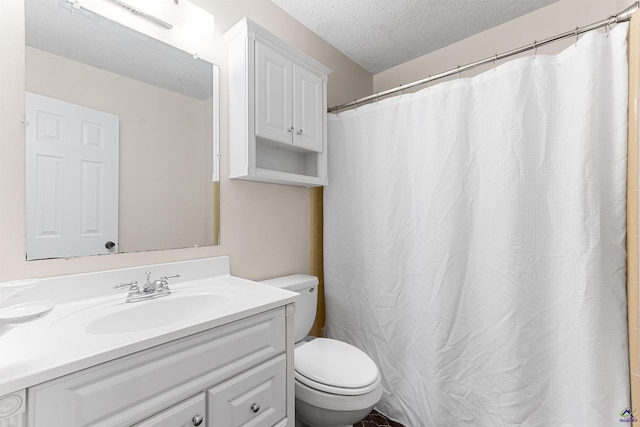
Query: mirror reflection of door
<point>72,179</point>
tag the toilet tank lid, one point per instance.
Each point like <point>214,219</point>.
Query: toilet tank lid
<point>294,282</point>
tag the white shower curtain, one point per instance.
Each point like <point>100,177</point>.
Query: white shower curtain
<point>475,242</point>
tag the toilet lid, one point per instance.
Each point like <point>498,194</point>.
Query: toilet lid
<point>335,364</point>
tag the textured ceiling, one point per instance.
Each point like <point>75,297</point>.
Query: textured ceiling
<point>379,34</point>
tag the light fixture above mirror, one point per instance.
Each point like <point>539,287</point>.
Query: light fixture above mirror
<point>191,28</point>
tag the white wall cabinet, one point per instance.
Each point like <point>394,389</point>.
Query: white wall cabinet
<point>277,110</point>
<point>288,101</point>
<point>234,375</point>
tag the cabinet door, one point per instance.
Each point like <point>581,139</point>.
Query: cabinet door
<point>307,109</point>
<point>273,94</point>
<point>188,413</point>
<point>256,398</point>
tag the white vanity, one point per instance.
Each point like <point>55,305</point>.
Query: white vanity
<point>217,351</point>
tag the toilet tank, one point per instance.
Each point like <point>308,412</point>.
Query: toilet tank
<point>306,306</point>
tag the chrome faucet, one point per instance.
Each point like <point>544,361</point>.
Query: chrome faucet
<point>159,285</point>
<point>133,289</point>
<point>151,289</point>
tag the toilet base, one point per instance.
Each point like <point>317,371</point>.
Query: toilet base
<point>311,416</point>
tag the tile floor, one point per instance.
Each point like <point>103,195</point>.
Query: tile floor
<point>375,419</point>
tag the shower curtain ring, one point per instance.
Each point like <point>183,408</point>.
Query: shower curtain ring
<point>576,32</point>
<point>458,72</point>
<point>613,19</point>
<point>495,60</point>
<point>535,48</point>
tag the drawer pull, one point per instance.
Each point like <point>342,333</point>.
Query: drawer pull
<point>197,420</point>
<point>255,407</point>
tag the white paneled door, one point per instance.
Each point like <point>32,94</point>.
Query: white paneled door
<point>72,179</point>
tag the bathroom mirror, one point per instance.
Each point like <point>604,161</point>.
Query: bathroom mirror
<point>163,104</point>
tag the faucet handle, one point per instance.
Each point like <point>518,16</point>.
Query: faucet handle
<point>133,286</point>
<point>164,280</point>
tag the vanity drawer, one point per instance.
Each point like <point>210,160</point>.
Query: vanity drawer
<point>256,398</point>
<point>190,412</point>
<point>126,390</point>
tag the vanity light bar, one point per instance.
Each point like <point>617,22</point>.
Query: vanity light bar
<point>143,14</point>
<point>76,7</point>
<point>192,28</point>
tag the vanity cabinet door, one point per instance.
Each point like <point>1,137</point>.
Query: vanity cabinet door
<point>256,398</point>
<point>188,413</point>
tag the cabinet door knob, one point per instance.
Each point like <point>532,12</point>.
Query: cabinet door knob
<point>255,407</point>
<point>290,130</point>
<point>299,132</point>
<point>109,245</point>
<point>197,420</point>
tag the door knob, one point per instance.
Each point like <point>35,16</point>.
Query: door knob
<point>197,420</point>
<point>255,407</point>
<point>109,245</point>
<point>299,132</point>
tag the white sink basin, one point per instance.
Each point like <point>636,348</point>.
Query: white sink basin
<point>118,317</point>
<point>157,313</point>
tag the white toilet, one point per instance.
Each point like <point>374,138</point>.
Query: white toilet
<point>336,384</point>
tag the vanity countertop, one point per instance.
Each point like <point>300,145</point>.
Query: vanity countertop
<point>61,342</point>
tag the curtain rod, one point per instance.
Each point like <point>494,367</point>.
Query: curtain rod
<point>623,16</point>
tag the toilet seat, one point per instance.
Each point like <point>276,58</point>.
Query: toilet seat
<point>336,390</point>
<point>335,367</point>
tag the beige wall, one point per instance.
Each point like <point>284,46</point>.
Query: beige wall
<point>549,21</point>
<point>264,227</point>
